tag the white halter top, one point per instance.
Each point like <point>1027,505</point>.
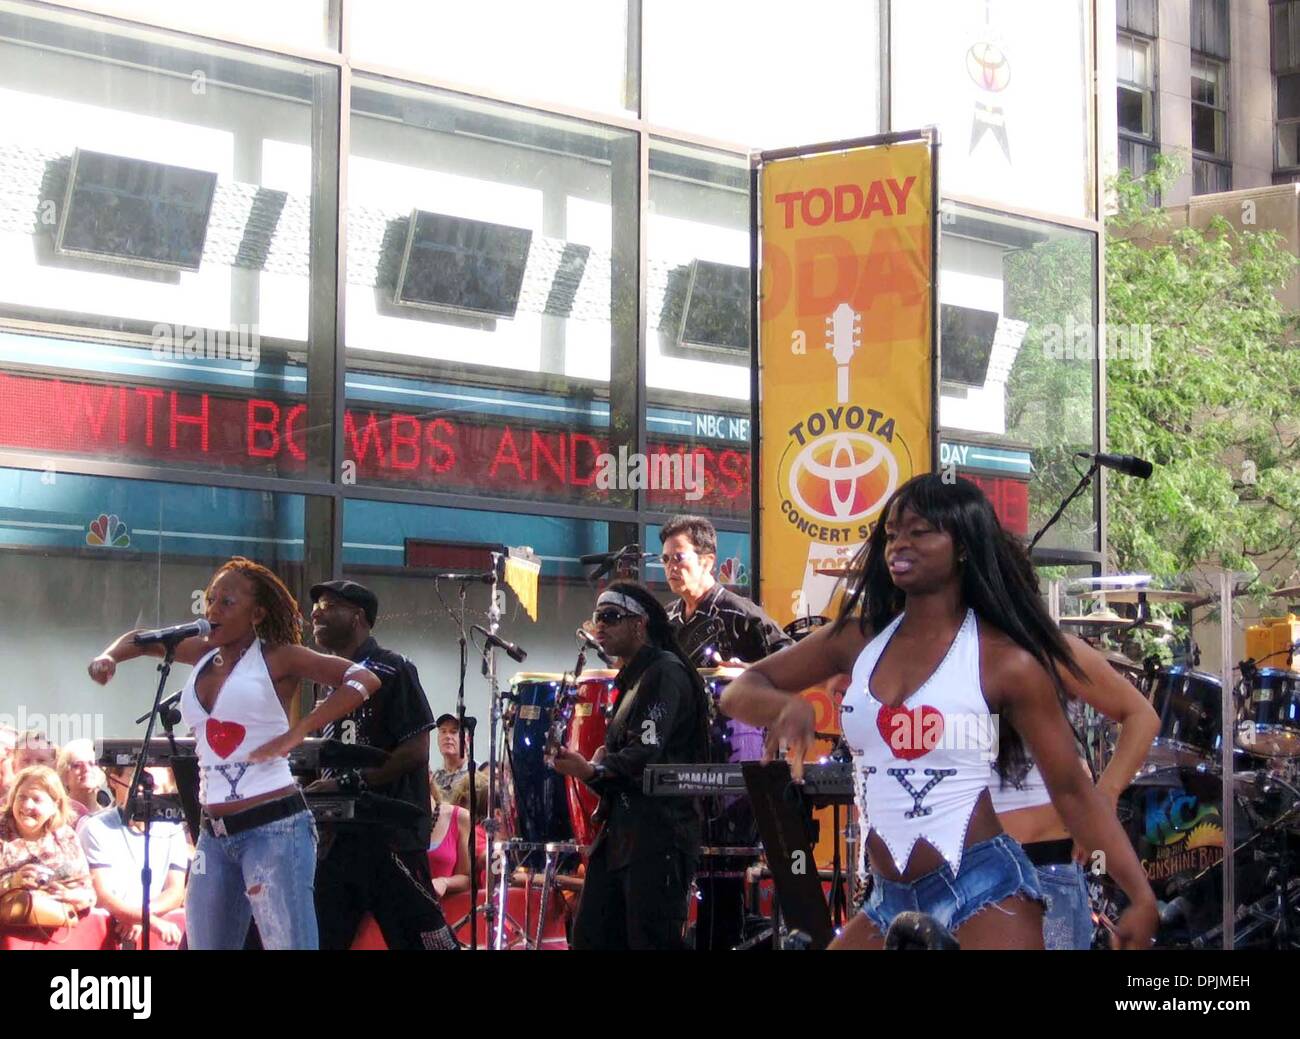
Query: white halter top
<point>247,714</point>
<point>921,767</point>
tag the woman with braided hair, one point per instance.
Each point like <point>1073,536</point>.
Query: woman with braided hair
<point>641,864</point>
<point>256,855</point>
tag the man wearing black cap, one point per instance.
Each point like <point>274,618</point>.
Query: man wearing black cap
<point>454,763</point>
<point>384,869</point>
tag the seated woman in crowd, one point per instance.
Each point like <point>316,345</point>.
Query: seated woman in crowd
<point>44,879</point>
<point>448,845</point>
<point>81,776</point>
<point>115,854</point>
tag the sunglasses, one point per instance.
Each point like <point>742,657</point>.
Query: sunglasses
<point>610,616</point>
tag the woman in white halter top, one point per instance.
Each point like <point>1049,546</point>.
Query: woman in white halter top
<point>256,854</point>
<point>946,640</point>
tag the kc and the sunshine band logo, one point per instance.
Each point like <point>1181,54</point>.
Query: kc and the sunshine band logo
<point>839,465</point>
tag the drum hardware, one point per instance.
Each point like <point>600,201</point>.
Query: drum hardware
<point>1144,596</point>
<point>1268,711</point>
<point>801,627</point>
<point>552,850</point>
<point>1108,620</point>
<point>1292,592</point>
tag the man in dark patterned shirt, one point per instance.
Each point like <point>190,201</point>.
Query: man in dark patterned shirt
<point>384,871</point>
<point>715,625</point>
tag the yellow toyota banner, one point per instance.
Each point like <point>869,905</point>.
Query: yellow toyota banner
<point>846,381</point>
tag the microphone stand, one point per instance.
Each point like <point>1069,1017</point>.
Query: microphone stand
<point>142,780</point>
<point>1078,490</point>
<point>496,910</point>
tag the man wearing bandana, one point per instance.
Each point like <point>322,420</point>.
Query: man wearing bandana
<point>639,873</point>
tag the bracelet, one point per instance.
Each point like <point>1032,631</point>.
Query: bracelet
<point>365,693</point>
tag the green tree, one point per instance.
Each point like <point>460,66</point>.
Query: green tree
<point>1216,406</point>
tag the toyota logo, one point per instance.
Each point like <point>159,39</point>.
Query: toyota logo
<point>843,476</point>
<point>988,67</point>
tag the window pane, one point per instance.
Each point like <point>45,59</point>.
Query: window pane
<point>486,247</point>
<point>698,313</point>
<point>725,70</point>
<point>1288,145</point>
<point>1134,110</point>
<point>393,549</point>
<point>1207,82</point>
<point>295,23</point>
<point>1133,61</point>
<point>156,209</point>
<point>1210,26</point>
<point>1288,97</point>
<point>571,54</point>
<point>1208,130</point>
<point>97,556</point>
<point>1013,113</point>
<point>1138,15</point>
<point>1017,389</point>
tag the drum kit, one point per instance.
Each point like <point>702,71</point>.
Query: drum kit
<point>548,817</point>
<point>1173,810</point>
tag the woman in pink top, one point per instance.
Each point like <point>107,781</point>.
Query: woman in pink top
<point>941,613</point>
<point>256,855</point>
<point>448,846</point>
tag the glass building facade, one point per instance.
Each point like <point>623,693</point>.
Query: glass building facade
<point>363,289</point>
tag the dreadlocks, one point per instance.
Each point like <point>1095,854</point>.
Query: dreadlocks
<point>283,623</point>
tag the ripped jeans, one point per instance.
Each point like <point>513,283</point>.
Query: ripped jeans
<point>990,871</point>
<point>267,873</point>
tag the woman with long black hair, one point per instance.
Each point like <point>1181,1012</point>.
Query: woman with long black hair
<point>641,864</point>
<point>256,855</point>
<point>955,664</point>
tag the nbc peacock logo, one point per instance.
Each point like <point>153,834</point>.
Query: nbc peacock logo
<point>108,531</point>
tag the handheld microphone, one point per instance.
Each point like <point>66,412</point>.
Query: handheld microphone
<point>455,575</point>
<point>585,638</point>
<point>514,652</point>
<point>1129,465</point>
<point>103,798</point>
<point>174,634</point>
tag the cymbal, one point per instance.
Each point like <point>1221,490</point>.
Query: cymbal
<point>1106,619</point>
<point>831,571</point>
<point>1118,580</point>
<point>1131,595</point>
<point>1122,663</point>
<point>1293,592</point>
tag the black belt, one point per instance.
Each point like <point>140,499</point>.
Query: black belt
<point>1050,853</point>
<point>258,815</point>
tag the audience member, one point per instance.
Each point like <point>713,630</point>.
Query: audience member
<point>44,879</point>
<point>115,854</point>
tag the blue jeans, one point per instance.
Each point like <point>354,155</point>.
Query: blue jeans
<point>267,873</point>
<point>1068,921</point>
<point>991,871</point>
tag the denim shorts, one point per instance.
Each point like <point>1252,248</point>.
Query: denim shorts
<point>1068,923</point>
<point>990,872</point>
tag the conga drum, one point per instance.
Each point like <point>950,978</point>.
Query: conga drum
<point>540,804</point>
<point>592,703</point>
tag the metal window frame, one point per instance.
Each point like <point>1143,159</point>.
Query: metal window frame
<point>327,281</point>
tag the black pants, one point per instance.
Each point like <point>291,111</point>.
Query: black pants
<point>359,873</point>
<point>720,913</point>
<point>639,906</point>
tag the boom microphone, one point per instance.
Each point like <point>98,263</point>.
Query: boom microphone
<point>585,638</point>
<point>514,652</point>
<point>1129,465</point>
<point>486,577</point>
<point>174,634</point>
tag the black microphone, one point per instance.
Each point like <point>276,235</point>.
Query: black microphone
<point>175,633</point>
<point>103,798</point>
<point>592,558</point>
<point>1129,465</point>
<point>486,577</point>
<point>585,638</point>
<point>512,651</point>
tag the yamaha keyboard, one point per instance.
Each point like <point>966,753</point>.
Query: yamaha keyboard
<point>309,756</point>
<point>831,783</point>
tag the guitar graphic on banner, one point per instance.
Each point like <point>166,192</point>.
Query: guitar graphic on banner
<point>843,340</point>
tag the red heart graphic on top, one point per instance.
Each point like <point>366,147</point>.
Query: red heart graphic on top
<point>910,733</point>
<point>224,737</point>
